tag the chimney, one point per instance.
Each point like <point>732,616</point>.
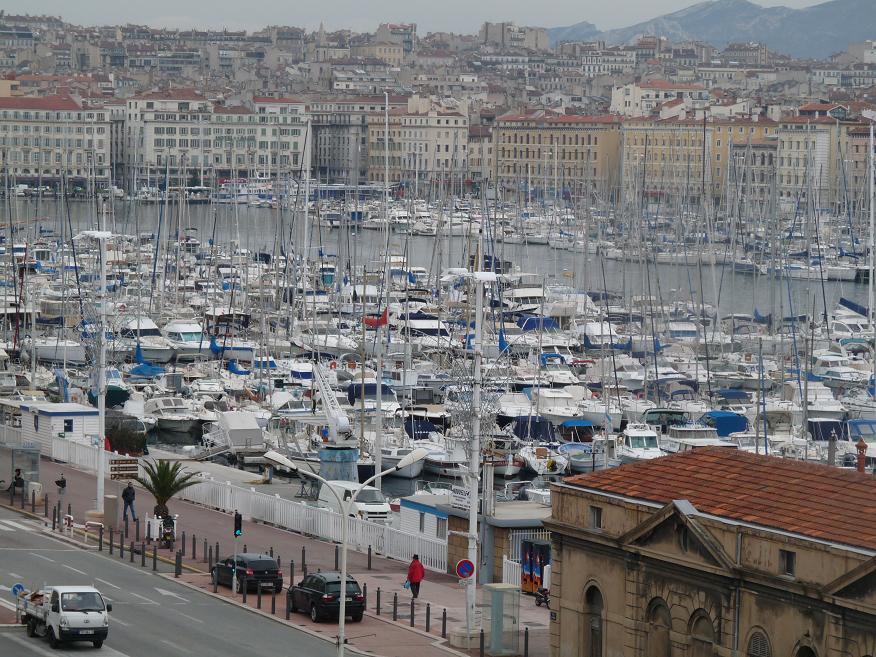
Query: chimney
<point>861,446</point>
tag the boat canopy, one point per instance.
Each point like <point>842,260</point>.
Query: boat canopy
<point>725,422</point>
<point>534,427</point>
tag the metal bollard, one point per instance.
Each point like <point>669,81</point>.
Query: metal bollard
<point>131,547</point>
<point>210,558</point>
<point>395,606</point>
<point>142,554</point>
<point>46,505</point>
<point>444,624</point>
<point>258,595</point>
<point>137,530</point>
<point>304,560</point>
<point>274,601</point>
<point>54,518</point>
<point>369,557</point>
<point>271,551</point>
<point>205,550</point>
<point>337,557</point>
<point>216,552</point>
<point>111,540</point>
<point>154,557</point>
<point>378,601</point>
<point>184,544</point>
<point>244,548</point>
<point>194,548</point>
<point>279,563</point>
<point>33,501</point>
<point>69,509</point>
<point>482,643</point>
<point>365,594</point>
<point>428,617</point>
<point>412,611</point>
<point>526,642</point>
<point>177,566</point>
<point>121,546</point>
<point>245,587</point>
<point>215,578</point>
<point>126,526</point>
<point>100,539</point>
<point>291,571</point>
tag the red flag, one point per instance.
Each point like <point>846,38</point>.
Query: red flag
<point>373,322</point>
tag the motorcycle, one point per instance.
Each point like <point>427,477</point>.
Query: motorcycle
<point>167,537</point>
<point>543,597</point>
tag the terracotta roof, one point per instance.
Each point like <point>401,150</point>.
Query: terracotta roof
<point>232,109</point>
<point>54,103</point>
<point>818,501</point>
<point>820,107</point>
<point>277,101</point>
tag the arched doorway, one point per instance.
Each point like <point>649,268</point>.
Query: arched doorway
<point>593,623</point>
<point>805,651</point>
<point>702,634</point>
<point>659,625</point>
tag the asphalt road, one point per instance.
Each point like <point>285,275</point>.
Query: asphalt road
<point>151,617</point>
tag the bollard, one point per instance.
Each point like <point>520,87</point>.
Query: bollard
<point>210,558</point>
<point>111,541</point>
<point>177,566</point>
<point>142,554</point>
<point>337,557</point>
<point>271,551</point>
<point>244,549</point>
<point>131,547</point>
<point>205,551</point>
<point>184,544</point>
<point>369,557</point>
<point>216,552</point>
<point>279,563</point>
<point>365,594</point>
<point>154,557</point>
<point>69,509</point>
<point>428,617</point>
<point>137,530</point>
<point>194,548</point>
<point>274,601</point>
<point>126,525</point>
<point>482,642</point>
<point>258,595</point>
<point>378,601</point>
<point>33,501</point>
<point>291,571</point>
<point>245,586</point>
<point>412,611</point>
<point>54,518</point>
<point>215,577</point>
<point>100,539</point>
<point>304,560</point>
<point>395,606</point>
<point>444,624</point>
<point>121,546</point>
<point>526,642</point>
<point>46,505</point>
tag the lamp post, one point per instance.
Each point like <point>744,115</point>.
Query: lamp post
<point>345,505</point>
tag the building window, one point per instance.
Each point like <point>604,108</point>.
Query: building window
<point>758,645</point>
<point>659,627</point>
<point>787,562</point>
<point>703,635</point>
<point>441,528</point>
<point>68,426</point>
<point>596,517</point>
<point>422,522</point>
<point>593,608</point>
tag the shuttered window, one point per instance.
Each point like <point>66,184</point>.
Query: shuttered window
<point>758,645</point>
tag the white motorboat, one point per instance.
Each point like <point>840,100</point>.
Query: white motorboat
<point>187,339</point>
<point>171,414</point>
<point>638,442</point>
<point>544,459</point>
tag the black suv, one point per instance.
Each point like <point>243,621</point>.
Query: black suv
<point>319,595</point>
<point>256,569</point>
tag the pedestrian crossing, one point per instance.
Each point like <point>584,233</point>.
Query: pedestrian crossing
<point>7,525</point>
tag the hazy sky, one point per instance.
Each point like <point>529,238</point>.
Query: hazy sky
<point>362,15</point>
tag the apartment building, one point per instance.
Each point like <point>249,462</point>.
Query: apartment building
<point>481,153</point>
<point>50,137</point>
<point>644,98</point>
<point>425,143</point>
<point>544,149</point>
<point>807,162</point>
<point>752,172</point>
<point>385,51</point>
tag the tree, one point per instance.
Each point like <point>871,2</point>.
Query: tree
<point>164,480</point>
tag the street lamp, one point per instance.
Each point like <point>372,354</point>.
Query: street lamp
<point>345,505</point>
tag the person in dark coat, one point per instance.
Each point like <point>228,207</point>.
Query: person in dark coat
<point>128,498</point>
<point>416,573</point>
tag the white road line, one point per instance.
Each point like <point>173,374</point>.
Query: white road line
<point>42,557</point>
<point>197,620</point>
<point>143,597</point>
<point>175,646</point>
<point>16,575</point>
<point>34,647</point>
<point>15,525</point>
<point>103,581</point>
<point>4,528</point>
<point>75,570</point>
<point>115,620</point>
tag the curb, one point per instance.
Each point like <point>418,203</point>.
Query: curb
<point>10,628</point>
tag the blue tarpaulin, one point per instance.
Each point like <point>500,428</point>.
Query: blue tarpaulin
<point>534,427</point>
<point>534,322</point>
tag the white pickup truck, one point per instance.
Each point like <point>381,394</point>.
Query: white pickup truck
<point>65,613</point>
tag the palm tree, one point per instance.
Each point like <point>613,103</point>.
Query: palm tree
<point>164,480</point>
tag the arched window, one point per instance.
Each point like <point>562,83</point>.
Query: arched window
<point>702,634</point>
<point>593,623</point>
<point>758,645</point>
<point>659,626</point>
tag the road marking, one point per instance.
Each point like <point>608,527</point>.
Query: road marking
<point>42,557</point>
<point>174,646</point>
<point>115,619</point>
<point>197,620</point>
<point>4,528</point>
<point>143,597</point>
<point>75,570</point>
<point>171,594</point>
<point>31,645</point>
<point>4,588</point>
<point>16,575</point>
<point>103,581</point>
<point>15,525</point>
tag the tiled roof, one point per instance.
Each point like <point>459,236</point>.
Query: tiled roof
<point>53,103</point>
<point>818,501</point>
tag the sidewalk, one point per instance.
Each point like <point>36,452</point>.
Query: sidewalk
<point>375,634</point>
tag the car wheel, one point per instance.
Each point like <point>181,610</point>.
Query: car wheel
<point>97,644</point>
<point>53,640</point>
<point>31,627</point>
<point>314,614</point>
<point>357,617</point>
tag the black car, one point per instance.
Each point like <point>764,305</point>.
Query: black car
<point>256,569</point>
<point>319,595</point>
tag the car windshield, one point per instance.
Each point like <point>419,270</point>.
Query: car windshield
<point>370,497</point>
<point>263,564</point>
<point>85,601</point>
<point>333,588</point>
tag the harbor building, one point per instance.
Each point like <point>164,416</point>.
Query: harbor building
<point>715,552</point>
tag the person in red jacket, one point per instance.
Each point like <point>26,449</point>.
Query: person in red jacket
<point>416,573</point>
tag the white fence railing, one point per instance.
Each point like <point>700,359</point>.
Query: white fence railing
<point>517,536</point>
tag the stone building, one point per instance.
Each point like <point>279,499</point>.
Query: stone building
<point>714,552</point>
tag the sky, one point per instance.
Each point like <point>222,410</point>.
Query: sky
<point>463,16</point>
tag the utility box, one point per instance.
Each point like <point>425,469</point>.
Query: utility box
<point>111,511</point>
<point>502,619</point>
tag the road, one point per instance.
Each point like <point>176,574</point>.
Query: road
<point>152,616</point>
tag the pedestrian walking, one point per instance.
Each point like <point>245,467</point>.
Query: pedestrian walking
<point>17,482</point>
<point>416,573</point>
<point>128,496</point>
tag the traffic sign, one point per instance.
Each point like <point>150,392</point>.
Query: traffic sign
<point>464,568</point>
<point>124,468</point>
<point>17,590</point>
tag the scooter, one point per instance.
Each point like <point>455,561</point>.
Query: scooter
<point>168,533</point>
<point>543,597</point>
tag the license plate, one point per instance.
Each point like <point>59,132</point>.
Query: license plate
<point>86,631</point>
<point>349,599</point>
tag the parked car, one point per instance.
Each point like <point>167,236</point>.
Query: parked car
<point>257,569</point>
<point>319,595</point>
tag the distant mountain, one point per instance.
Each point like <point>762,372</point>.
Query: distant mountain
<point>815,32</point>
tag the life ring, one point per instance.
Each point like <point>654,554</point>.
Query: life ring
<point>333,365</point>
